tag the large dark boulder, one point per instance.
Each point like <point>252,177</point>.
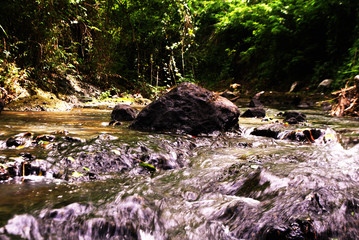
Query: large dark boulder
<point>123,112</point>
<point>188,108</point>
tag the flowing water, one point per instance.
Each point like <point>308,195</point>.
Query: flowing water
<point>226,186</point>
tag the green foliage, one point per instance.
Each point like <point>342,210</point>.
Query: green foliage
<point>13,79</point>
<point>105,95</point>
<point>151,44</point>
<point>276,42</point>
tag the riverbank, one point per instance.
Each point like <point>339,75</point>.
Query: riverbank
<point>85,96</point>
<point>88,96</point>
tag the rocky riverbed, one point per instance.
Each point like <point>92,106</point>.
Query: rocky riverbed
<point>100,181</point>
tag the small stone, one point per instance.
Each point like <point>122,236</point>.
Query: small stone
<point>115,123</point>
<point>255,103</point>
<point>294,117</point>
<point>123,112</point>
<point>254,113</point>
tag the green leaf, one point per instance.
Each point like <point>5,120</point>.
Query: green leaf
<point>3,30</point>
<point>94,28</point>
<point>149,167</point>
<point>43,142</point>
<point>76,174</point>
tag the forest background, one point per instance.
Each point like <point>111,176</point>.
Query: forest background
<point>145,45</point>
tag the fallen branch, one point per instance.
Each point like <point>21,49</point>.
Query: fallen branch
<point>344,90</point>
<point>347,100</point>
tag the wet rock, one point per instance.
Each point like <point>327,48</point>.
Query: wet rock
<point>188,108</point>
<point>28,156</point>
<point>25,166</point>
<point>254,113</point>
<point>3,174</point>
<point>71,160</point>
<point>106,137</point>
<point>165,161</point>
<point>45,138</point>
<point>100,228</point>
<point>67,213</point>
<point>25,226</point>
<point>39,167</point>
<point>130,219</point>
<point>294,117</point>
<point>12,142</point>
<point>296,101</point>
<point>309,135</point>
<point>19,139</point>
<point>255,103</point>
<point>61,132</point>
<point>84,99</point>
<point>305,105</point>
<point>300,229</point>
<point>326,106</point>
<point>123,112</point>
<point>312,135</point>
<point>72,139</point>
<point>115,123</point>
<point>228,94</point>
<point>2,104</point>
<point>268,131</point>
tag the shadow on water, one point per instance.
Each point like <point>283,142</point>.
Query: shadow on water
<point>219,187</point>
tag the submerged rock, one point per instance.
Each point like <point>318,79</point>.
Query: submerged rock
<point>311,135</point>
<point>294,117</point>
<point>228,94</point>
<point>2,104</point>
<point>19,140</point>
<point>255,103</point>
<point>254,113</point>
<point>123,112</point>
<point>128,219</point>
<point>190,109</point>
<point>266,132</point>
<point>75,160</point>
<point>115,123</point>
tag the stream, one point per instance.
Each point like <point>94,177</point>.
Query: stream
<point>110,182</point>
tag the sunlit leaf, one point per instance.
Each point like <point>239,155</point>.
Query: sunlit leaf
<point>149,167</point>
<point>3,30</point>
<point>76,174</point>
<point>43,143</point>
